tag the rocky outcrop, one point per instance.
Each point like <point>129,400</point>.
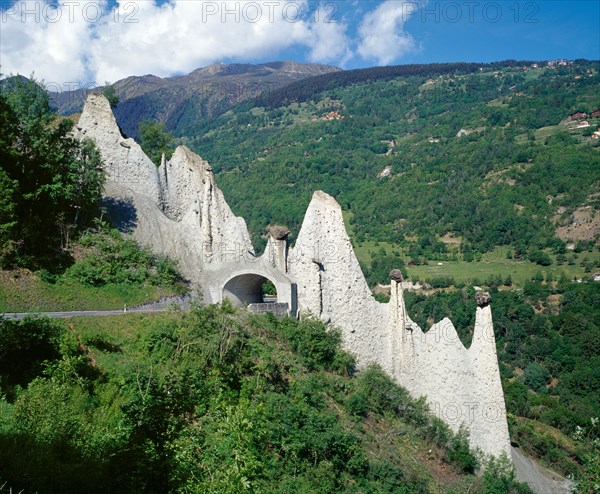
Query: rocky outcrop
<point>462,386</point>
<point>396,275</point>
<point>331,285</point>
<point>279,232</point>
<point>177,208</point>
<point>483,299</point>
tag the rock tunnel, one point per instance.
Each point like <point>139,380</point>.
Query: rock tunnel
<point>243,288</point>
<point>246,289</point>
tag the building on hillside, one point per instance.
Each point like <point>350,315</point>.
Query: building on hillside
<point>578,115</point>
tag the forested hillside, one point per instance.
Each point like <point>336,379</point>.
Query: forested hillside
<point>444,165</point>
<point>455,166</point>
<point>479,154</point>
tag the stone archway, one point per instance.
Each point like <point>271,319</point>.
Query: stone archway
<point>245,289</point>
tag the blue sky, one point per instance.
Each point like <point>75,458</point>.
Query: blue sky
<point>485,31</point>
<point>92,41</point>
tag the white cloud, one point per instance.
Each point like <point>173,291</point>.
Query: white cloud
<point>327,39</point>
<point>382,35</point>
<point>70,41</point>
<point>49,41</point>
<point>96,40</point>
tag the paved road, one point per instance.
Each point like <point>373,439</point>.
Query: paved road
<point>163,305</point>
<point>540,480</point>
<point>78,313</point>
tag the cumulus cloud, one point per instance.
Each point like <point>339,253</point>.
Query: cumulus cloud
<point>328,40</point>
<point>81,40</point>
<point>36,37</point>
<point>382,34</point>
<point>93,41</point>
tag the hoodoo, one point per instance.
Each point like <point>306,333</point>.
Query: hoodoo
<point>178,210</point>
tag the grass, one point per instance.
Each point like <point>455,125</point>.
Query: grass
<point>116,335</point>
<point>396,441</point>
<point>119,329</point>
<point>491,263</point>
<point>495,262</point>
<point>363,251</point>
<point>26,292</point>
<point>549,446</point>
<point>535,73</point>
<point>544,132</point>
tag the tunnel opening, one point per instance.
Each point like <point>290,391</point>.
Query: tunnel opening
<point>247,289</point>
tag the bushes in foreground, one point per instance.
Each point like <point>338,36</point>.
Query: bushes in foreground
<point>209,401</point>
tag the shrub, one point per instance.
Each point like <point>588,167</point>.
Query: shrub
<point>540,257</point>
<point>320,347</point>
<point>536,376</point>
<point>499,478</point>
<point>441,282</point>
<point>377,393</point>
<point>25,347</point>
<point>117,260</point>
<point>459,454</point>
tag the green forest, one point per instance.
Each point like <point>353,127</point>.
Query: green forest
<point>50,183</point>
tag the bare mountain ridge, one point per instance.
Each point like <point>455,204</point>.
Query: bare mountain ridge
<point>183,102</point>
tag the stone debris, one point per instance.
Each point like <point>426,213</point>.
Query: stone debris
<point>385,173</point>
<point>279,232</point>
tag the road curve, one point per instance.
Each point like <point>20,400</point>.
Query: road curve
<point>539,479</point>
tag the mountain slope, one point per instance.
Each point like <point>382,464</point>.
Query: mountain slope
<point>183,102</point>
<point>480,155</point>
